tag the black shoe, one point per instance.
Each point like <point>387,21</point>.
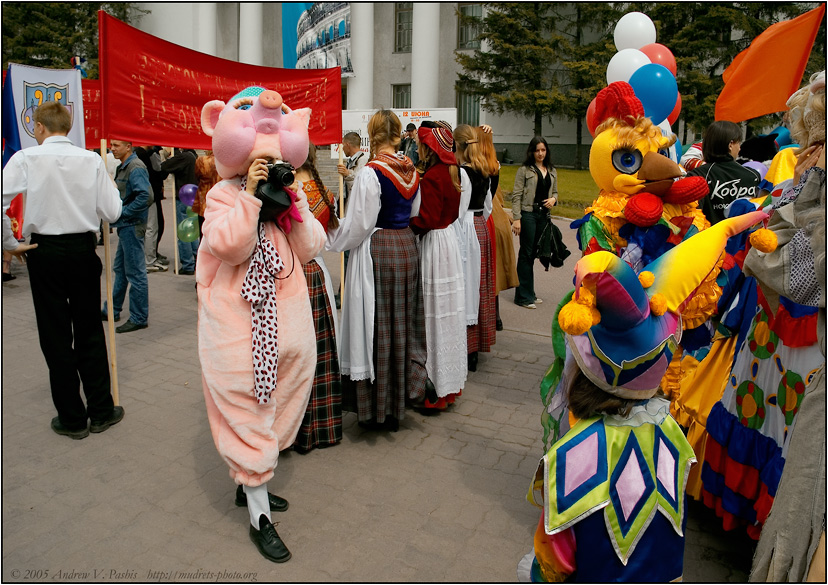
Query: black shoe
<point>277,504</point>
<point>129,326</point>
<point>268,542</point>
<point>431,391</point>
<point>498,325</point>
<point>116,317</point>
<point>473,361</point>
<point>7,276</point>
<point>62,430</point>
<point>186,272</point>
<point>101,426</point>
<point>162,259</point>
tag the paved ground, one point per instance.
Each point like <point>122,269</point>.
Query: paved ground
<point>442,500</point>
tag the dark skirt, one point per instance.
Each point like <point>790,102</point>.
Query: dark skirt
<point>399,332</point>
<point>322,423</point>
<point>481,337</point>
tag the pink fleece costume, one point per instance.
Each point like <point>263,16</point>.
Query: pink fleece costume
<point>247,434</point>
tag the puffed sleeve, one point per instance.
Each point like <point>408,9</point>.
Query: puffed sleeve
<point>361,219</point>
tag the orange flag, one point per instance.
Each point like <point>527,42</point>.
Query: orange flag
<point>762,77</point>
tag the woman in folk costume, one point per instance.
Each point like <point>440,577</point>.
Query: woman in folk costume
<point>382,345</point>
<point>441,265</point>
<point>322,424</point>
<point>500,225</point>
<point>255,329</point>
<point>480,336</point>
<point>612,488</point>
<point>749,430</point>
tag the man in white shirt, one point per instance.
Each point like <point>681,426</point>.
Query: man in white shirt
<point>356,160</point>
<point>68,192</point>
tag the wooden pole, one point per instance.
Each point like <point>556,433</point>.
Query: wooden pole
<point>341,216</point>
<point>175,226</point>
<point>110,311</point>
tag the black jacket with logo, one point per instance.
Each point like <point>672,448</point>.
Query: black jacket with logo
<point>728,181</point>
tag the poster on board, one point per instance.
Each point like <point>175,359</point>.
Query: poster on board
<point>357,121</point>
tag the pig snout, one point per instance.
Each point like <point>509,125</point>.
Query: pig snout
<point>267,112</point>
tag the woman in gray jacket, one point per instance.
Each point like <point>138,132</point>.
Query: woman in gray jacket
<point>535,193</point>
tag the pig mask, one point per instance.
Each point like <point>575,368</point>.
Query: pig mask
<point>255,123</point>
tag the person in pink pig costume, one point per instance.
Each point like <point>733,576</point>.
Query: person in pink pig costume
<point>255,330</point>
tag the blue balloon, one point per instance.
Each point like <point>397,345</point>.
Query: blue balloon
<point>657,90</point>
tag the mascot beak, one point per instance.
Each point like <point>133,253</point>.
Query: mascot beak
<point>658,173</point>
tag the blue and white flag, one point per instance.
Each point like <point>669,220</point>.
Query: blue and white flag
<point>24,89</point>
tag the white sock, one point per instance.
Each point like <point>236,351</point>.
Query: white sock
<point>257,503</point>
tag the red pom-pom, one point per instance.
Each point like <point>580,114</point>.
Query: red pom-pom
<point>617,100</point>
<point>644,209</point>
<point>686,190</point>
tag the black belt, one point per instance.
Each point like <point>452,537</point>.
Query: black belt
<point>478,214</point>
<point>82,241</point>
<point>538,207</point>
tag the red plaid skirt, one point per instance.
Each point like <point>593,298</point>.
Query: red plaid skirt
<point>481,337</point>
<point>322,423</point>
<point>399,332</point>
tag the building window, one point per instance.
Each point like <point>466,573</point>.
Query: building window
<point>467,33</point>
<point>401,96</point>
<point>404,19</point>
<point>468,109</point>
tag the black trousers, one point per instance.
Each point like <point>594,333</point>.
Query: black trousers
<point>65,278</point>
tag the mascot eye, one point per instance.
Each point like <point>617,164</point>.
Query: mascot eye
<point>664,152</point>
<point>244,107</point>
<point>627,161</point>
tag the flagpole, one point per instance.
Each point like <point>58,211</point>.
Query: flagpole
<point>110,311</point>
<point>341,216</point>
<point>175,224</point>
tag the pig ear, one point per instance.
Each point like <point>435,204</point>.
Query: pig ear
<point>210,115</point>
<point>303,114</point>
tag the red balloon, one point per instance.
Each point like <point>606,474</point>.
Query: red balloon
<point>590,118</point>
<point>676,111</point>
<point>660,54</point>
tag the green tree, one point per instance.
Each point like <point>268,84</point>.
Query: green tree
<point>540,59</point>
<point>513,73</point>
<point>585,47</point>
<point>49,34</point>
<point>706,37</point>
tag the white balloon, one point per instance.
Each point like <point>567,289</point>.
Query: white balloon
<point>633,31</point>
<point>624,63</point>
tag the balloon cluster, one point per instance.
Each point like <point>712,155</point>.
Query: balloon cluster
<point>188,228</point>
<point>647,66</point>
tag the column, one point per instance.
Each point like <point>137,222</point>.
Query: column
<point>361,85</point>
<point>206,34</point>
<point>251,26</point>
<point>425,55</point>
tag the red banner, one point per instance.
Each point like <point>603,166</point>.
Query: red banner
<point>91,90</point>
<point>153,91</point>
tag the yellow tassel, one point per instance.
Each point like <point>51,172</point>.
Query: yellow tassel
<point>646,279</point>
<point>596,316</point>
<point>764,240</point>
<point>658,304</point>
<point>586,297</point>
<point>575,318</point>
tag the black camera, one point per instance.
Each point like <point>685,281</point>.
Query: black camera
<point>272,191</point>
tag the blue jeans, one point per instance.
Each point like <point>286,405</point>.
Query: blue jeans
<point>186,250</point>
<point>130,268</point>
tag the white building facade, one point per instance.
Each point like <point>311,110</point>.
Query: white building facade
<point>399,55</point>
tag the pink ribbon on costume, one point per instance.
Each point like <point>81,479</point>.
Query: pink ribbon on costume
<point>259,289</point>
<point>283,219</point>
